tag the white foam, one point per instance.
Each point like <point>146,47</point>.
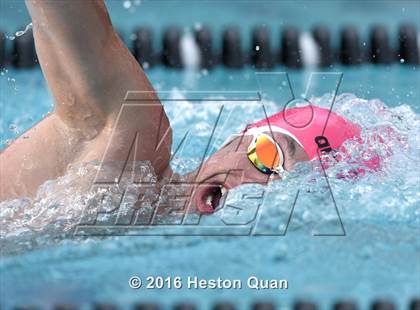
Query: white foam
<point>390,193</point>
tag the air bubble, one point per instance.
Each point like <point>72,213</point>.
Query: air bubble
<point>204,72</point>
<point>127,4</point>
<point>13,128</point>
<point>198,26</point>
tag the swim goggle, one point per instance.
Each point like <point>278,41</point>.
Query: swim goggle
<point>266,154</point>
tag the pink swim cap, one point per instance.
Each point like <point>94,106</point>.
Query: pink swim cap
<point>306,126</point>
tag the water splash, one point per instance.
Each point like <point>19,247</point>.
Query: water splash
<point>61,204</point>
<point>386,194</point>
<point>19,33</point>
<point>390,194</point>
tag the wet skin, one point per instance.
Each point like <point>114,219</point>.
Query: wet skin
<point>230,167</point>
<point>89,71</point>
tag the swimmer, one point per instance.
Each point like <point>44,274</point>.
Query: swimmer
<point>270,148</point>
<point>89,70</point>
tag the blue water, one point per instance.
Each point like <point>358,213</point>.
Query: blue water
<point>379,256</point>
<point>396,85</point>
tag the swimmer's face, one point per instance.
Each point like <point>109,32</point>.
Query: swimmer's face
<point>230,167</point>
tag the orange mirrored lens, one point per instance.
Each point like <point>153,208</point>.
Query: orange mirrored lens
<point>267,152</point>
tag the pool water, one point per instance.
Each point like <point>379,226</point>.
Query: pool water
<point>377,257</point>
<point>395,85</point>
<point>42,263</point>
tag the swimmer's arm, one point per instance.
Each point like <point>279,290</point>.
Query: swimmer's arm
<point>87,67</point>
<point>88,70</point>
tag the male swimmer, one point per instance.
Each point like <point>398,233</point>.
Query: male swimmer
<point>89,70</point>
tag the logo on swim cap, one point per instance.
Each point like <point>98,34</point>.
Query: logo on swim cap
<point>323,144</point>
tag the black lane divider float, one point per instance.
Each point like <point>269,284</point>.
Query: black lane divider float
<point>204,41</point>
<point>232,56</point>
<point>382,304</point>
<point>322,37</point>
<point>143,47</point>
<point>171,51</point>
<point>262,55</point>
<point>2,50</point>
<point>291,54</point>
<point>23,53</point>
<point>352,49</point>
<point>409,44</point>
<point>380,49</point>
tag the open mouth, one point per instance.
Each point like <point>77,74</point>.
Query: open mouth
<point>209,198</point>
